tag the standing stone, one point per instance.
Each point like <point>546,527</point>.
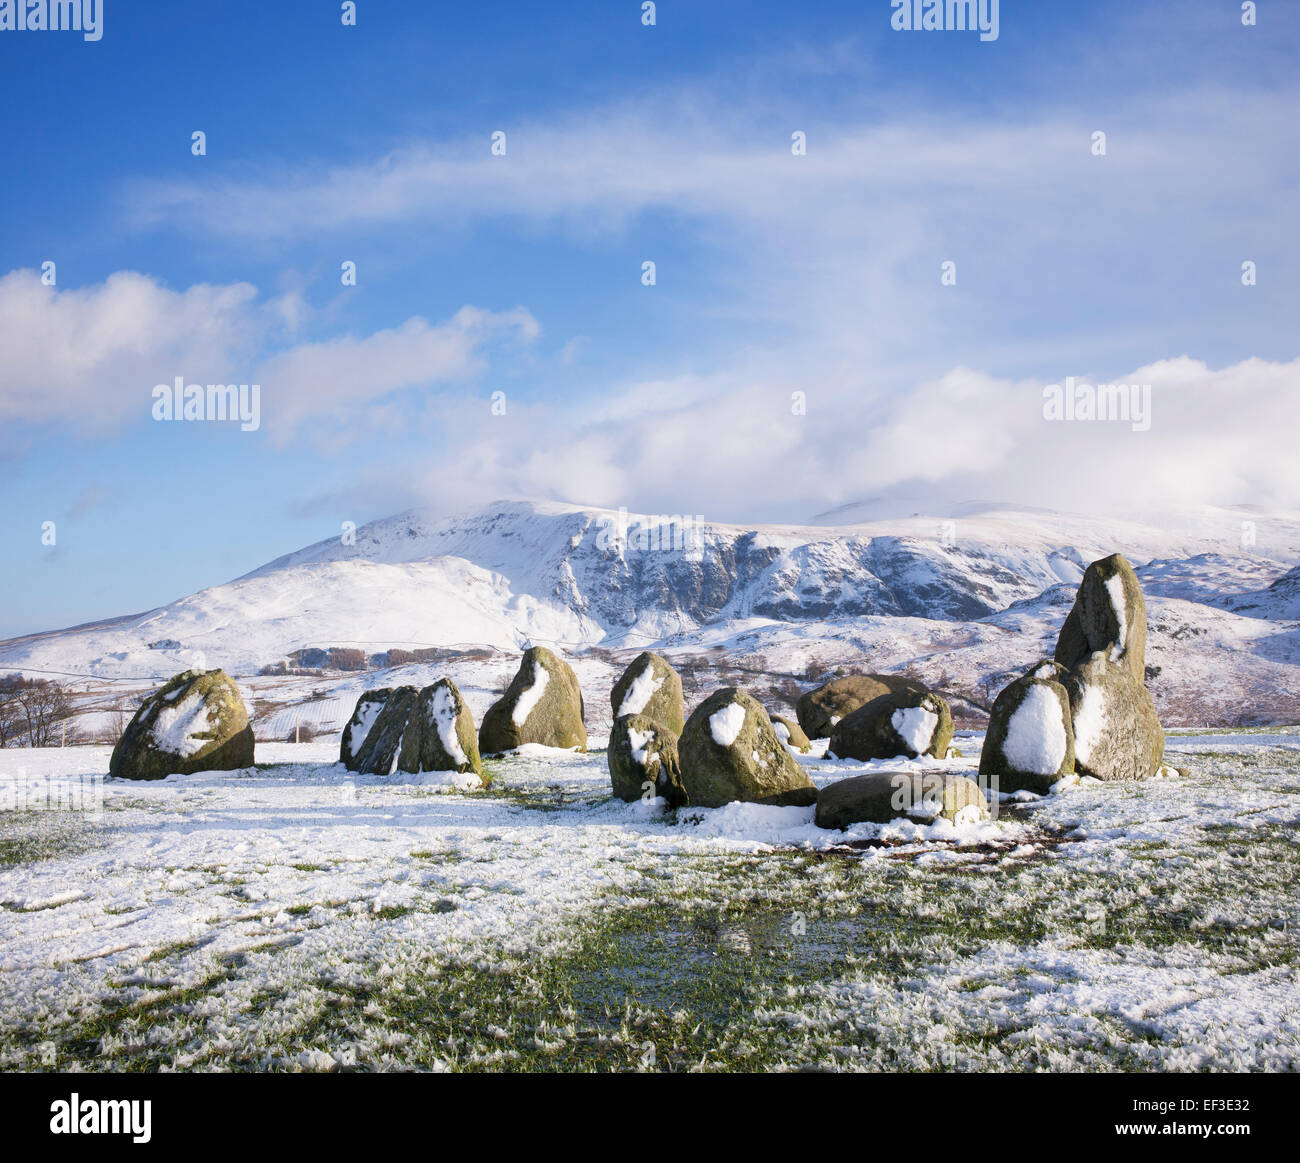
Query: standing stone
<point>729,751</point>
<point>542,704</point>
<point>642,751</point>
<point>410,730</point>
<point>903,722</point>
<point>819,710</point>
<point>650,687</point>
<point>392,743</point>
<point>1117,733</point>
<point>449,741</point>
<point>1109,614</point>
<point>1029,744</point>
<point>195,721</point>
<point>358,727</point>
<point>791,734</point>
<point>881,796</point>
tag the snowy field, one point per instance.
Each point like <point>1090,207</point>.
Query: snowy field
<point>296,916</point>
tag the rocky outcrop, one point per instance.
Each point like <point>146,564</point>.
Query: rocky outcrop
<point>411,730</point>
<point>791,734</point>
<point>1109,614</point>
<point>1117,733</point>
<point>194,722</point>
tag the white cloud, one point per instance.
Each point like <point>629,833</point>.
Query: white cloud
<point>732,450</point>
<point>90,357</point>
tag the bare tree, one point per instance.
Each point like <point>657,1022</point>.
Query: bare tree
<point>43,708</point>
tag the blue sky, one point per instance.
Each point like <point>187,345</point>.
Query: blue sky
<point>522,273</point>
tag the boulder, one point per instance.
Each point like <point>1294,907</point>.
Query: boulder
<point>729,751</point>
<point>818,711</point>
<point>391,743</point>
<point>650,687</point>
<point>1109,614</point>
<point>643,751</point>
<point>1029,744</point>
<point>358,726</point>
<point>902,722</point>
<point>791,734</point>
<point>1117,733</point>
<point>193,722</point>
<point>448,740</point>
<point>405,729</point>
<point>542,704</point>
<point>882,796</point>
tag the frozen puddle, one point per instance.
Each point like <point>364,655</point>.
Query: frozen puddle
<point>296,916</point>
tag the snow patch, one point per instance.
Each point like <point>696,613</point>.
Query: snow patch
<point>443,711</point>
<point>532,696</point>
<point>1035,739</point>
<point>641,690</point>
<point>367,713</point>
<point>641,741</point>
<point>1115,588</point>
<point>1089,722</point>
<point>915,727</point>
<point>175,728</point>
<point>726,724</point>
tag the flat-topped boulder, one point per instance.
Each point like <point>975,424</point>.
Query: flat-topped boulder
<point>819,710</point>
<point>1109,614</point>
<point>882,796</point>
<point>542,704</point>
<point>905,722</point>
<point>642,757</point>
<point>1029,744</point>
<point>729,751</point>
<point>650,686</point>
<point>195,721</point>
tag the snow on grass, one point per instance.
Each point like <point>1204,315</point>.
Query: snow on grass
<point>299,916</point>
<point>1035,740</point>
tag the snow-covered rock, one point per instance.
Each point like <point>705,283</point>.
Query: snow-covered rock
<point>729,751</point>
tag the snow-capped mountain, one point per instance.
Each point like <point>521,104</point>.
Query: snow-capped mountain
<point>978,593</point>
